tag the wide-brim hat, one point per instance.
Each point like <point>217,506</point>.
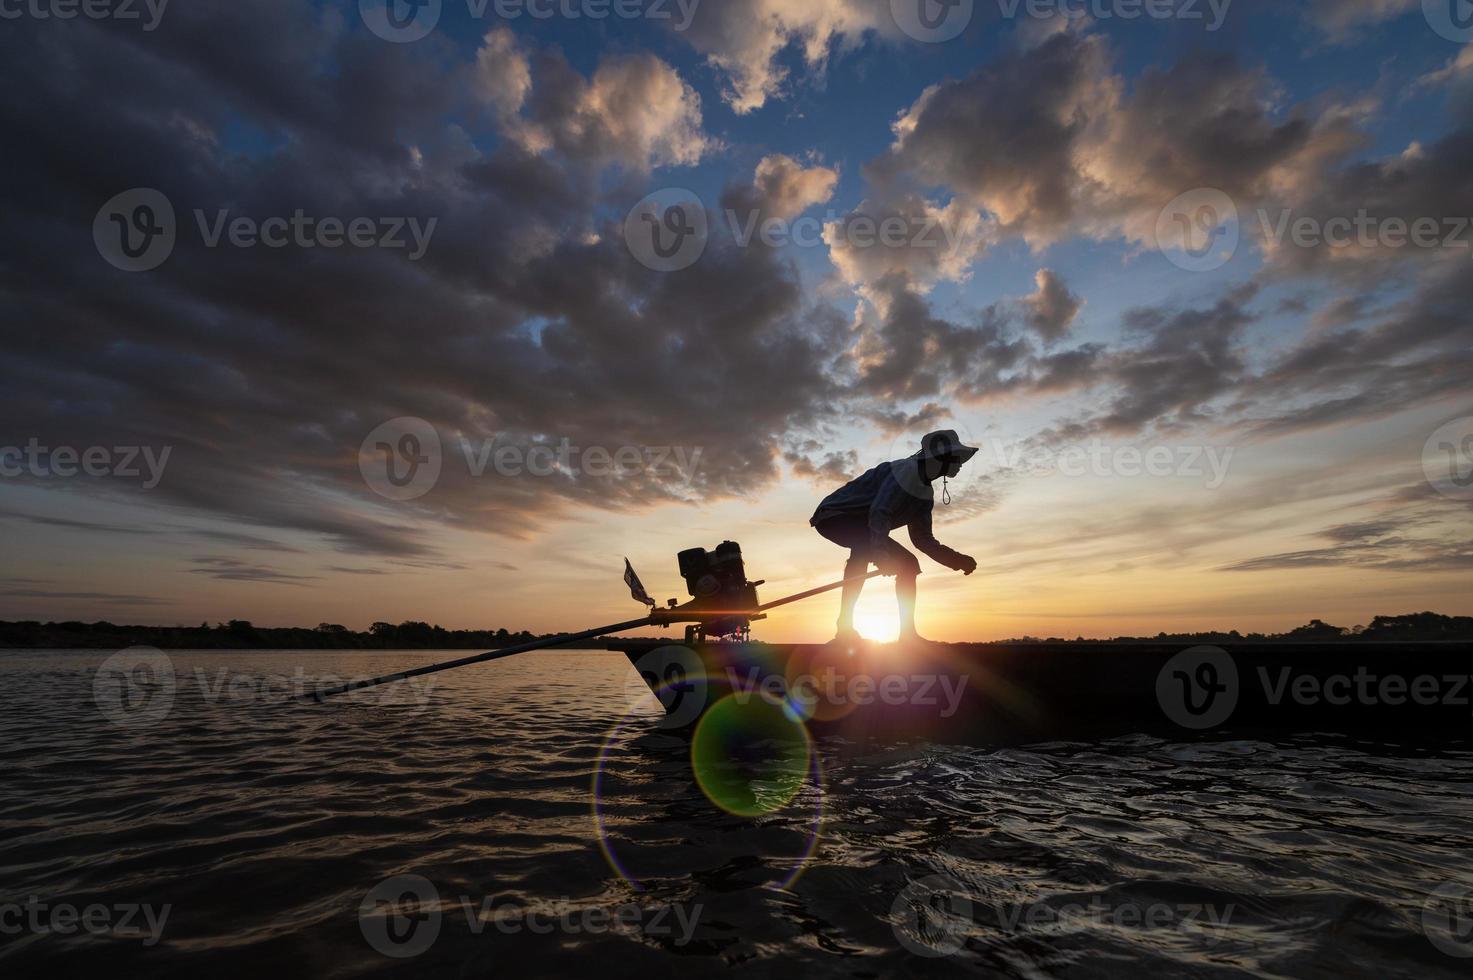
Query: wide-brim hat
<point>945,444</point>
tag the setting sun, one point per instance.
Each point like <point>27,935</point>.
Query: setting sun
<point>875,618</point>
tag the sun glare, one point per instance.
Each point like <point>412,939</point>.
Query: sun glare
<point>877,621</point>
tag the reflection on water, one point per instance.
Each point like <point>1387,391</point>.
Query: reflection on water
<point>454,821</point>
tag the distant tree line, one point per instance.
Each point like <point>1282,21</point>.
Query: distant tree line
<point>239,634</point>
<point>1421,627</point>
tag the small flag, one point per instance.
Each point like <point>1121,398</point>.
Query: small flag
<point>636,587</point>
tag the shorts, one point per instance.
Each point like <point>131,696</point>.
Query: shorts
<point>853,533</point>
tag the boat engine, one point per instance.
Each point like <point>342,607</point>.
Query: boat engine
<point>721,594</point>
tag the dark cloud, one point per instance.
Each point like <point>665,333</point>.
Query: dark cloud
<point>234,570</point>
<point>911,354</point>
<point>264,370</point>
<point>1051,310</point>
<point>1413,352</point>
<point>830,469</point>
<point>1387,544</point>
<point>109,598</point>
<point>1052,141</point>
<point>90,526</point>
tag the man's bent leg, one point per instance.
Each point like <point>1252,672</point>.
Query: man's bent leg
<point>905,598</point>
<point>907,569</point>
<point>855,567</point>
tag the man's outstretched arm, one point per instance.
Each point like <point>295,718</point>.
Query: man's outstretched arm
<point>922,536</point>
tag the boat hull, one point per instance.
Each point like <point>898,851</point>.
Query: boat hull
<point>1011,693</point>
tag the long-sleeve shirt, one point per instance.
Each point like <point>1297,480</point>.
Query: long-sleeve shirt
<point>886,504</point>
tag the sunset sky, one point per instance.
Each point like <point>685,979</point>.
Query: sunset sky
<point>1172,437</point>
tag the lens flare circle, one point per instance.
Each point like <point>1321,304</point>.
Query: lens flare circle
<point>813,776</point>
<point>750,755</point>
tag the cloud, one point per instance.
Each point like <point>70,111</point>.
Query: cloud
<point>783,188</point>
<point>1180,362</point>
<point>1340,20</point>
<point>234,570</point>
<point>832,468</point>
<point>1051,142</point>
<point>907,353</point>
<point>501,76</point>
<point>1388,544</point>
<point>527,320</point>
<point>1052,309</point>
<point>744,40</point>
<point>1410,353</point>
<point>111,598</point>
<point>74,525</point>
<point>1410,208</point>
<point>635,112</point>
<point>905,239</point>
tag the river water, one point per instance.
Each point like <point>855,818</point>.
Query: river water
<point>180,816</point>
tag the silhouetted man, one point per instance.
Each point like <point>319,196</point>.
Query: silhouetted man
<point>860,516</point>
